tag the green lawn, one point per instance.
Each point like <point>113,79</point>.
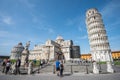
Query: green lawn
<point>117,62</point>
<point>101,62</point>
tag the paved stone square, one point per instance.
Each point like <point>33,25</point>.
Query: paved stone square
<point>67,75</point>
<point>50,76</point>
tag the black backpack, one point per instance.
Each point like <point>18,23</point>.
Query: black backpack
<point>61,66</point>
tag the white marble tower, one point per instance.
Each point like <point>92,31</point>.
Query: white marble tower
<point>98,40</point>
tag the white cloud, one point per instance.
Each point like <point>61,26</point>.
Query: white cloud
<point>45,27</point>
<point>8,20</point>
<point>110,14</point>
<point>4,19</point>
<point>50,30</point>
<point>82,37</point>
<point>78,21</point>
<point>111,8</point>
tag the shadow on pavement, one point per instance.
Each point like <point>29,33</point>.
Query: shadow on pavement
<point>67,74</point>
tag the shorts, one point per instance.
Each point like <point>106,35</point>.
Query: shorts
<point>57,69</point>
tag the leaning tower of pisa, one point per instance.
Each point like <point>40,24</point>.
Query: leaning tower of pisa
<point>98,40</point>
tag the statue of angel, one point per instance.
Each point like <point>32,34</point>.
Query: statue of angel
<point>27,45</point>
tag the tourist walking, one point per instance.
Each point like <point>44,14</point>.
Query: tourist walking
<point>8,64</point>
<point>57,65</point>
<point>17,66</point>
<point>3,65</point>
<point>61,68</point>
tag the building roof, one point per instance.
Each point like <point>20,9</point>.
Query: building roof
<point>90,54</point>
<point>116,51</point>
<point>85,54</point>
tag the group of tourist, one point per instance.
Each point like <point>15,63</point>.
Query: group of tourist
<point>59,67</point>
<point>6,64</point>
<point>15,68</point>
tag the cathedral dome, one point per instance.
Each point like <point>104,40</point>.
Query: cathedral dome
<point>59,38</point>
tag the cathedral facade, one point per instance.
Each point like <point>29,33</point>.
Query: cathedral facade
<point>58,49</point>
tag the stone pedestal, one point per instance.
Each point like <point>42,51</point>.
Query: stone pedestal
<point>95,69</point>
<point>109,67</point>
<point>13,68</point>
<point>30,68</point>
<point>24,57</point>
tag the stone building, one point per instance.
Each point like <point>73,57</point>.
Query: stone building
<point>16,51</point>
<point>115,56</point>
<point>98,40</point>
<point>58,49</point>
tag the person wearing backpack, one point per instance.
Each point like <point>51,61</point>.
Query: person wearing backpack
<point>8,64</point>
<point>17,66</point>
<point>4,65</point>
<point>57,63</point>
<point>61,68</point>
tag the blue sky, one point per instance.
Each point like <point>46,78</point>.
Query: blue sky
<point>40,20</point>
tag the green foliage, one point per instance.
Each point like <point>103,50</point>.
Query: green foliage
<point>117,62</point>
<point>102,62</point>
<point>35,64</point>
<point>12,61</point>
